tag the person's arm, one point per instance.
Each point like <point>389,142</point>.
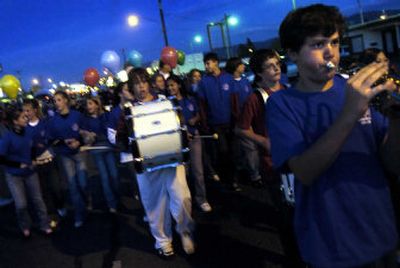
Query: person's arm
<point>325,150</point>
<point>122,135</point>
<point>194,120</point>
<point>243,127</point>
<point>10,163</point>
<point>250,135</point>
<point>202,102</point>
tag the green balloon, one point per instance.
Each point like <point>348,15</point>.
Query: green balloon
<point>181,57</point>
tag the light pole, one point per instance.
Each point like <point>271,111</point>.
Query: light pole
<point>221,27</point>
<point>226,38</point>
<point>163,22</point>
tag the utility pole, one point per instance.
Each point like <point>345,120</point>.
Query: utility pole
<point>221,25</point>
<point>361,12</point>
<point>228,34</point>
<point>163,22</point>
<point>209,36</point>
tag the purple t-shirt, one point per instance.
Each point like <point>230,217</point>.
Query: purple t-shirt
<point>345,218</point>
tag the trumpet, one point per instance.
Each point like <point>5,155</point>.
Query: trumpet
<point>380,100</point>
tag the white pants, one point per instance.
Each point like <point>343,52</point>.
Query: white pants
<point>165,192</point>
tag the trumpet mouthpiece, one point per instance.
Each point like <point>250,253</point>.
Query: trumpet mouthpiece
<point>330,65</point>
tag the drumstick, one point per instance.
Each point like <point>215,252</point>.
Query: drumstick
<point>89,148</point>
<point>213,136</point>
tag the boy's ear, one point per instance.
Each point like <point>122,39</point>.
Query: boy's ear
<point>293,55</point>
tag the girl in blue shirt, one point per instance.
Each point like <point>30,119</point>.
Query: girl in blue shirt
<point>191,116</point>
<point>49,177</point>
<point>63,133</point>
<point>94,126</point>
<point>16,146</point>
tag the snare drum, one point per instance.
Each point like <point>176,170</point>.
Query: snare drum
<point>158,140</point>
<point>287,188</point>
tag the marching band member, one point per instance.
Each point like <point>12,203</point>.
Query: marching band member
<point>163,192</point>
<point>94,129</point>
<point>16,145</point>
<point>324,131</point>
<point>63,133</point>
<point>191,115</point>
<point>49,177</point>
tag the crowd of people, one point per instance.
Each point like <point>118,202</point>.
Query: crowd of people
<point>320,130</point>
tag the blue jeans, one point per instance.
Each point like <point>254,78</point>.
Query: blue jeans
<point>106,164</point>
<point>76,172</point>
<point>20,187</point>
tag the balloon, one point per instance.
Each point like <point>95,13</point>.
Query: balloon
<point>169,56</point>
<point>111,60</point>
<point>135,58</point>
<point>91,77</point>
<point>10,85</point>
<point>181,57</point>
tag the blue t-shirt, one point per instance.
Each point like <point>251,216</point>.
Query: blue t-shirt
<point>189,110</point>
<point>243,89</point>
<point>345,218</point>
<point>61,127</point>
<point>97,125</point>
<point>38,134</point>
<point>216,91</point>
<point>17,147</point>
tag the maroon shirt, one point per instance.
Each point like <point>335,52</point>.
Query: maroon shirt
<point>253,115</point>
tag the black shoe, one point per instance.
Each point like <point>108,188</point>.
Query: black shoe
<point>236,187</point>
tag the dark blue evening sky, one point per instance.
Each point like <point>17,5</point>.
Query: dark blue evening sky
<point>60,39</point>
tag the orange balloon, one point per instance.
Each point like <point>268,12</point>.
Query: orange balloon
<point>10,85</point>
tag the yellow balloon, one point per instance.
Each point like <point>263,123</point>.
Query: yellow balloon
<point>10,85</point>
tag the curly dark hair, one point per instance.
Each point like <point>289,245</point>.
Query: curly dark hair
<point>307,22</point>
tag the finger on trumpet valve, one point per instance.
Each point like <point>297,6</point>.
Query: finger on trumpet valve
<point>215,136</point>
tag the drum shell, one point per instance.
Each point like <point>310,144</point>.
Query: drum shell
<point>157,135</point>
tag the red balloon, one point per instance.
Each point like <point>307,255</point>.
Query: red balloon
<point>169,56</point>
<point>91,77</point>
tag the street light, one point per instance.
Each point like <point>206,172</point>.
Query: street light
<point>232,20</point>
<point>198,39</point>
<point>383,16</point>
<point>35,82</point>
<point>133,20</point>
